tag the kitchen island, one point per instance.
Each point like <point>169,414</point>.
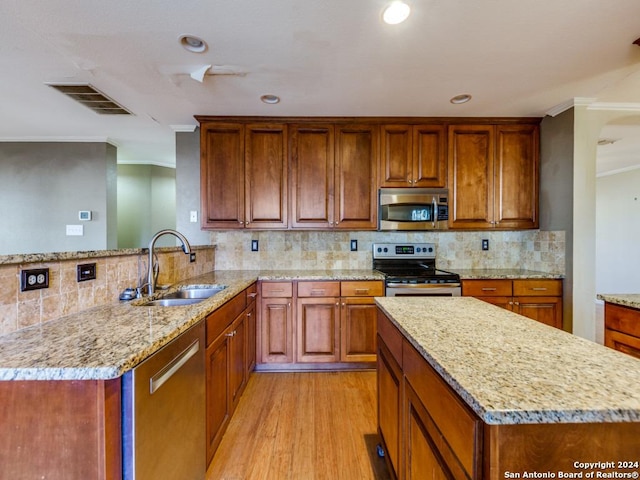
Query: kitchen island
<point>469,390</point>
<point>622,322</point>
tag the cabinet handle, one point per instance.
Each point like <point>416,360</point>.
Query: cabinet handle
<point>489,289</point>
<point>362,291</point>
<point>317,291</point>
<point>252,295</point>
<point>248,314</point>
<point>275,290</point>
<point>539,289</point>
<point>230,334</point>
<point>289,305</point>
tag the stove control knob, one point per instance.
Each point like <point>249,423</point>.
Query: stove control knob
<point>418,249</point>
<point>379,249</point>
<point>430,249</point>
<point>386,249</point>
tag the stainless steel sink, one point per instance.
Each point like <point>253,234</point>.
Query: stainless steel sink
<point>196,292</point>
<point>187,295</point>
<point>171,302</point>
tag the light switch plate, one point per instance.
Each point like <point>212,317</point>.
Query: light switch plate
<point>75,230</point>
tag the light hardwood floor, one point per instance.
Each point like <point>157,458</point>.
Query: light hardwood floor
<point>303,426</point>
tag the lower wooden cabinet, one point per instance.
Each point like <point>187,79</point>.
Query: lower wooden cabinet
<point>622,328</point>
<point>539,300</point>
<point>311,322</point>
<point>230,339</point>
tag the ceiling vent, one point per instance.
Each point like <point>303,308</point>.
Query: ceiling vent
<point>90,97</point>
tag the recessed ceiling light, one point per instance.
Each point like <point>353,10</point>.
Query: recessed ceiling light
<point>193,43</point>
<point>270,99</point>
<point>463,98</point>
<point>396,12</point>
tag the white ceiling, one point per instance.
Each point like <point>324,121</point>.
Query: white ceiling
<point>322,57</point>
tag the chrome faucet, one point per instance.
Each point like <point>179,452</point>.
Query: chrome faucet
<point>151,282</point>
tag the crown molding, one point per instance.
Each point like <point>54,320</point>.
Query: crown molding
<point>183,128</point>
<point>60,139</point>
<point>615,106</point>
<point>573,102</point>
<point>147,162</point>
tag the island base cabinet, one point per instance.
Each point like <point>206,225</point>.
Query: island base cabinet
<point>61,430</point>
<point>606,449</point>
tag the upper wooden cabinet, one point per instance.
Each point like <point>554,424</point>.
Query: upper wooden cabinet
<point>413,156</point>
<point>243,175</point>
<point>312,176</point>
<point>493,176</point>
<point>324,173</point>
<point>356,196</point>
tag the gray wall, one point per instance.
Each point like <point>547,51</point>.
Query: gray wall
<point>146,204</point>
<point>556,191</point>
<point>188,187</point>
<point>42,188</point>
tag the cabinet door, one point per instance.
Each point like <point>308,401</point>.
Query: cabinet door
<point>356,204</point>
<point>218,404</point>
<point>422,458</point>
<point>471,169</point>
<point>429,156</point>
<point>516,176</point>
<point>251,337</point>
<point>389,403</point>
<point>547,310</point>
<point>396,156</point>
<point>276,330</point>
<point>502,302</point>
<point>312,176</point>
<point>358,330</point>
<point>318,330</point>
<point>237,334</point>
<point>266,176</point>
<point>222,175</point>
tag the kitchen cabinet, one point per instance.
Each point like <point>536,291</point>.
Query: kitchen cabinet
<point>622,328</point>
<point>356,173</point>
<point>358,320</point>
<point>312,176</point>
<point>493,176</point>
<point>413,156</point>
<point>539,300</point>
<point>251,313</point>
<point>276,322</point>
<point>243,175</point>
<point>70,428</point>
<point>227,365</point>
<point>318,322</point>
<point>390,397</point>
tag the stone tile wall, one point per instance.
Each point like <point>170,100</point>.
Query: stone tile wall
<point>530,249</point>
<point>66,295</point>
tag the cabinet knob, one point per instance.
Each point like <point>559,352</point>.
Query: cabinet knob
<point>516,303</point>
<point>337,304</point>
<point>344,304</point>
<point>252,295</point>
<point>241,222</point>
<point>248,314</point>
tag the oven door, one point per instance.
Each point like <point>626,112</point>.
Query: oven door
<point>423,290</point>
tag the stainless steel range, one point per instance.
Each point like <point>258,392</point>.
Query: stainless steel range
<point>410,271</point>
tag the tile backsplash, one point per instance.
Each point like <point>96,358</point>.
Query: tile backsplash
<point>66,295</point>
<point>526,249</point>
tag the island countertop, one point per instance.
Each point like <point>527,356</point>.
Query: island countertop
<point>625,299</point>
<point>104,342</point>
<point>513,370</point>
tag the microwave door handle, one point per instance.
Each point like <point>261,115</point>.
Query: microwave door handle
<point>435,211</point>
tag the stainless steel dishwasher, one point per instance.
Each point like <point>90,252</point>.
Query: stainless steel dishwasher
<point>164,412</point>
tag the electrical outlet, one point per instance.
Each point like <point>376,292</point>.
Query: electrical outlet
<point>34,278</point>
<point>86,271</point>
<point>254,245</point>
<point>485,244</point>
<point>192,257</point>
<point>193,216</point>
<point>354,245</point>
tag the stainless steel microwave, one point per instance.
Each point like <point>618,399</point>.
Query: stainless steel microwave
<point>413,209</point>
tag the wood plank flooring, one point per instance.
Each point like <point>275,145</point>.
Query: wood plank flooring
<point>303,426</point>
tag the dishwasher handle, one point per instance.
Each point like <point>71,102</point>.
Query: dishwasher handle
<point>173,366</point>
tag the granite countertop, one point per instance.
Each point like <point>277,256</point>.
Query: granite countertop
<point>511,370</point>
<point>104,342</point>
<point>625,299</point>
<point>504,273</point>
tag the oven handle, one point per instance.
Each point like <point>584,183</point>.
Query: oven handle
<point>423,285</point>
<point>434,202</point>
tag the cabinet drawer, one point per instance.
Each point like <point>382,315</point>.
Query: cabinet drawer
<point>542,288</point>
<point>219,320</point>
<point>622,319</point>
<point>277,289</point>
<point>622,342</point>
<point>318,289</point>
<point>391,336</point>
<point>486,288</point>
<point>365,288</point>
<point>460,427</point>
